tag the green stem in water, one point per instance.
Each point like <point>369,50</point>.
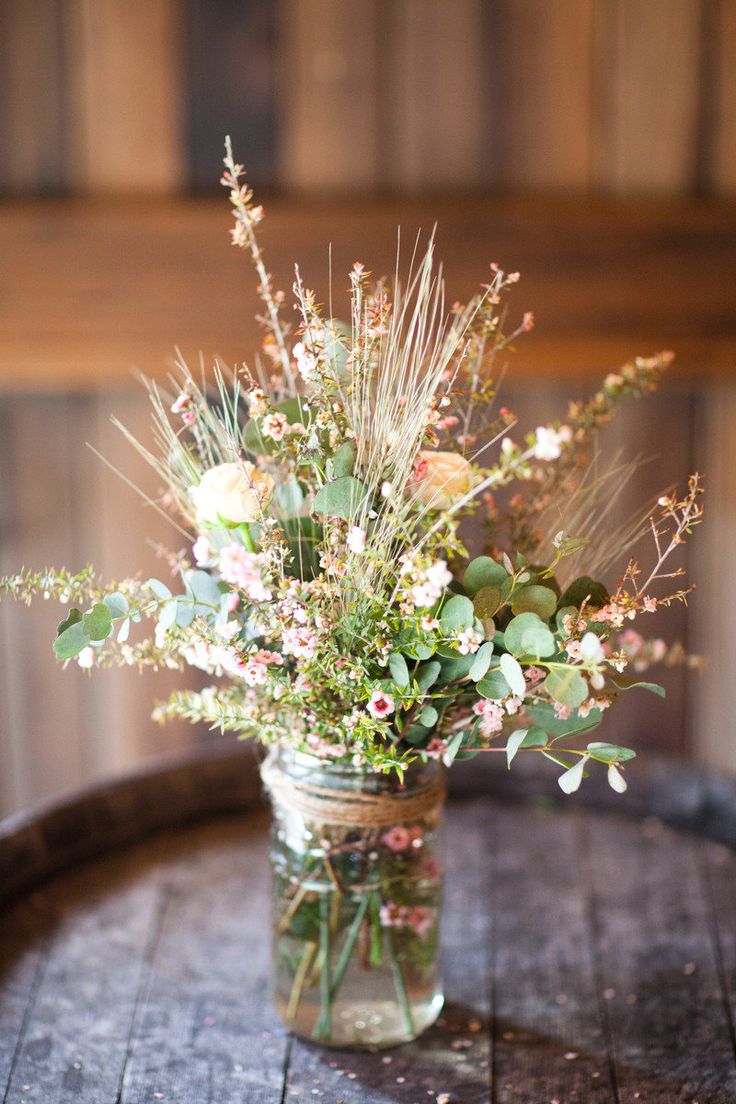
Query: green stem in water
<point>296,989</point>
<point>376,931</point>
<point>400,984</point>
<point>349,944</point>
<point>324,1024</point>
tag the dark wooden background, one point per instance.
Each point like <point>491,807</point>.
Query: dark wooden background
<point>589,143</point>
<point>618,96</point>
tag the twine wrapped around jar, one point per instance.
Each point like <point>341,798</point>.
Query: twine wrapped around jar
<point>359,809</point>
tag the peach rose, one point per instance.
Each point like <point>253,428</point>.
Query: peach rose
<point>233,493</point>
<point>440,478</point>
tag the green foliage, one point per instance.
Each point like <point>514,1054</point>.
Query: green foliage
<point>610,753</point>
<point>494,685</point>
<point>117,604</point>
<point>289,497</point>
<point>632,684</point>
<point>524,738</point>
<point>416,734</point>
<point>513,673</point>
<point>98,623</point>
<point>75,615</point>
<point>204,592</point>
<point>399,670</point>
<point>543,714</point>
<point>567,686</point>
<point>537,599</point>
<point>527,635</point>
<point>481,661</point>
<point>428,674</point>
<point>159,589</point>
<point>342,498</point>
<point>342,462</point>
<point>455,667</point>
<point>429,716</point>
<point>583,588</point>
<point>486,602</point>
<point>483,572</point>
<point>71,641</point>
<point>457,613</point>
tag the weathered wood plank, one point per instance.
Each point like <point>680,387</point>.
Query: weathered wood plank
<point>433,126</point>
<point>541,57</point>
<point>231,87</point>
<point>723,169</point>
<point>206,1032</point>
<point>120,533</point>
<point>454,1056</point>
<point>712,622</point>
<point>23,955</point>
<point>74,1036</point>
<point>648,70</point>
<point>156,963</point>
<point>549,1036</point>
<point>327,85</point>
<point>31,110</point>
<point>718,869</point>
<point>125,93</point>
<point>39,530</point>
<point>605,281</point>
<point>670,1034</point>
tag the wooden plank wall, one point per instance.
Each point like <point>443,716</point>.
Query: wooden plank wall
<point>625,96</point>
<point>61,729</point>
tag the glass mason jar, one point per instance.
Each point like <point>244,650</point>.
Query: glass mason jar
<point>357,884</point>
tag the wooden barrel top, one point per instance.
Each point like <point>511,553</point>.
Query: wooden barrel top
<point>589,955</point>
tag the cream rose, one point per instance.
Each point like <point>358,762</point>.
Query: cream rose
<point>234,493</point>
<point>440,478</point>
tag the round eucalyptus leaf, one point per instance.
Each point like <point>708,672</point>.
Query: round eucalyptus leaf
<point>482,572</point>
<point>535,599</point>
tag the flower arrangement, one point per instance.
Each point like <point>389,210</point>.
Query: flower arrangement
<point>328,495</point>
<point>326,585</point>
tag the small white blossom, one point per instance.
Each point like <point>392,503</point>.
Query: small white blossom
<point>548,442</point>
<point>356,539</point>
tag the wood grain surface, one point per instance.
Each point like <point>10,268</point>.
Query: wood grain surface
<point>626,96</point>
<point>90,290</point>
<point>587,958</point>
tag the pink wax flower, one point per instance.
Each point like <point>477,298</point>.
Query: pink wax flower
<point>181,403</point>
<point>274,426</point>
<point>300,642</point>
<point>419,919</point>
<point>381,705</point>
<point>436,748</point>
<point>397,838</point>
<point>491,714</point>
<point>242,569</point>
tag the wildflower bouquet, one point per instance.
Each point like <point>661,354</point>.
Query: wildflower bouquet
<point>326,493</point>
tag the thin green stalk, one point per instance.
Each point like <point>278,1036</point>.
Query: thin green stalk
<point>247,538</point>
<point>376,955</point>
<point>400,984</point>
<point>299,978</point>
<point>324,1023</point>
<point>347,947</point>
